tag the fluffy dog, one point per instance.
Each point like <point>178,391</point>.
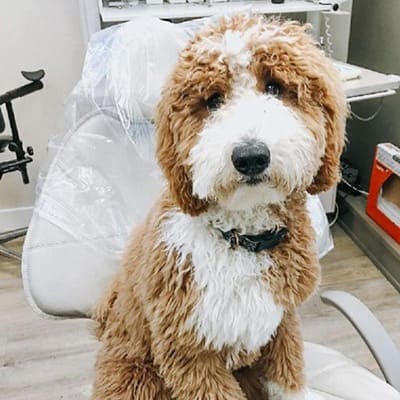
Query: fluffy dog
<point>204,307</point>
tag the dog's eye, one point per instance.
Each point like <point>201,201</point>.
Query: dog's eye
<point>214,101</point>
<point>273,88</point>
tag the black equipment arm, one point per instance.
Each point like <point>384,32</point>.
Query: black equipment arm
<point>2,123</point>
<point>13,143</point>
<point>35,77</point>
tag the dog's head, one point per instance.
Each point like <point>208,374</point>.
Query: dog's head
<point>253,111</point>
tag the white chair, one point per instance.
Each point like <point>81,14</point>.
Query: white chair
<point>102,180</point>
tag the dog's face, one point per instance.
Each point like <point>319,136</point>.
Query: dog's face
<point>252,112</point>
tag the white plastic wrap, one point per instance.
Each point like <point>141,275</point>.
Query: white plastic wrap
<point>320,224</point>
<point>101,177</point>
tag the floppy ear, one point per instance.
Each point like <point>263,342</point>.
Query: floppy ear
<point>172,161</point>
<point>323,83</point>
<point>333,102</point>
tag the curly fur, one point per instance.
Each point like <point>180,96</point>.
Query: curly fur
<point>186,317</point>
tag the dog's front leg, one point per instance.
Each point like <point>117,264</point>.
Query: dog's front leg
<point>284,361</point>
<point>192,374</point>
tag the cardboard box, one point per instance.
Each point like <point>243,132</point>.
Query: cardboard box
<point>383,204</point>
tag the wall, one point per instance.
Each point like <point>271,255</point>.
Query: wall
<point>374,43</point>
<point>36,34</point>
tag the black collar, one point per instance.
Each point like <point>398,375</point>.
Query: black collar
<point>255,243</point>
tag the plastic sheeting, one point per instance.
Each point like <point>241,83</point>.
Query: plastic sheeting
<point>101,177</point>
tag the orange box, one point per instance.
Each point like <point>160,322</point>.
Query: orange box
<point>383,204</point>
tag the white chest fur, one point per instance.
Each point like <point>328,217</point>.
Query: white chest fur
<point>236,307</point>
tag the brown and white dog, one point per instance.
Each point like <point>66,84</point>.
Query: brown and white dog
<point>251,119</point>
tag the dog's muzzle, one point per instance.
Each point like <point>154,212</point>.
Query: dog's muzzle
<point>251,158</point>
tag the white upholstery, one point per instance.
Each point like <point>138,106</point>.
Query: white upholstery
<point>332,376</point>
<point>71,251</point>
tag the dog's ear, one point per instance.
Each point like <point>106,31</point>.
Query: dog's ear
<point>324,83</point>
<point>334,106</point>
<point>172,161</point>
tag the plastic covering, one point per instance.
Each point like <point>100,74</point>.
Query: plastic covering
<point>320,224</point>
<point>101,177</point>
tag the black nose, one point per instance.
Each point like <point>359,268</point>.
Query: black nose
<point>251,158</point>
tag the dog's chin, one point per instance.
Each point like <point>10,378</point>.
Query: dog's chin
<point>250,193</point>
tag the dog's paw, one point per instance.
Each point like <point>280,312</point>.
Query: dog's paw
<point>277,392</point>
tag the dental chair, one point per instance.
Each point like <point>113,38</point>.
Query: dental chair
<point>101,179</point>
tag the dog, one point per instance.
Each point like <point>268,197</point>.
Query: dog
<point>204,305</point>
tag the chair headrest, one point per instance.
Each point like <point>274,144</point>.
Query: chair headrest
<point>139,68</point>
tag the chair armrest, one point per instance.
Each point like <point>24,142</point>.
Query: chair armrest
<point>372,332</point>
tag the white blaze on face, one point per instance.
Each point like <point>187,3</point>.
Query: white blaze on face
<point>295,155</point>
<point>251,115</point>
<point>234,49</point>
